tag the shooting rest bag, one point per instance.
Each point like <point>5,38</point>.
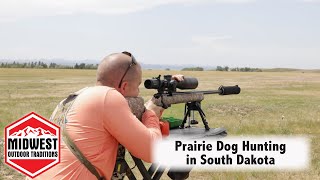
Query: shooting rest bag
<point>136,105</point>
<point>59,117</point>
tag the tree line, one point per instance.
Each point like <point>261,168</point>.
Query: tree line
<point>42,65</point>
<point>224,68</point>
<point>239,69</point>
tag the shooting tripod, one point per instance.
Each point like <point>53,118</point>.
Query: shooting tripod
<point>191,107</point>
<point>153,173</point>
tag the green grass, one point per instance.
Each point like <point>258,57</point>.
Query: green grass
<point>270,103</point>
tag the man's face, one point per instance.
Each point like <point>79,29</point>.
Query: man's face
<point>132,89</point>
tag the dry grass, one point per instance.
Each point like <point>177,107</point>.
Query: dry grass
<point>271,103</point>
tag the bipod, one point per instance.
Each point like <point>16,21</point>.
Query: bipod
<point>194,106</point>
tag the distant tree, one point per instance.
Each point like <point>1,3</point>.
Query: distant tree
<point>246,69</point>
<point>52,65</point>
<point>82,66</point>
<point>44,65</point>
<point>89,66</point>
<point>234,69</point>
<point>220,68</point>
<point>193,69</point>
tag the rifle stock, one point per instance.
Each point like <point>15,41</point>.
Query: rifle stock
<point>136,104</point>
<point>166,100</point>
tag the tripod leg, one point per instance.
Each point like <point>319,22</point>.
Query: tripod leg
<point>141,168</point>
<point>203,117</point>
<point>153,168</point>
<point>185,119</point>
<point>158,174</point>
<point>130,174</point>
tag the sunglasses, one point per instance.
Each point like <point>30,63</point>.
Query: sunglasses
<point>133,62</point>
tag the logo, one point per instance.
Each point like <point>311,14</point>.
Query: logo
<point>32,145</point>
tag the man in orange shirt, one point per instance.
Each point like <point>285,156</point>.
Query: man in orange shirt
<point>100,118</point>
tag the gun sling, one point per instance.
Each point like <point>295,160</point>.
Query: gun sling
<point>61,120</point>
<point>74,149</point>
<point>121,167</point>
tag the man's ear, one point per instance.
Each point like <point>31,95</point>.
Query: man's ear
<point>124,86</point>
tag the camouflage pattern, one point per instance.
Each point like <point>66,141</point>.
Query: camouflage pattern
<point>60,113</point>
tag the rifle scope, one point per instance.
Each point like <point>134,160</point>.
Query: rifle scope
<point>168,84</point>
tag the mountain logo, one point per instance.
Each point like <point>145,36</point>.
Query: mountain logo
<point>32,132</point>
<point>32,145</point>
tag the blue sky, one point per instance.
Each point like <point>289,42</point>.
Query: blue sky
<point>255,33</point>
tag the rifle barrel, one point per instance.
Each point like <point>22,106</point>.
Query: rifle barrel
<point>211,92</point>
<point>223,90</point>
<point>200,92</point>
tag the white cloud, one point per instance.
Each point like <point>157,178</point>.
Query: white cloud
<point>15,9</point>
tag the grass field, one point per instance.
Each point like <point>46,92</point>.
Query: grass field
<point>270,103</point>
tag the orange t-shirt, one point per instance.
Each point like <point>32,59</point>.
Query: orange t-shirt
<point>99,119</point>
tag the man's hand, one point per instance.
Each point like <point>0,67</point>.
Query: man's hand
<point>178,77</point>
<point>156,109</point>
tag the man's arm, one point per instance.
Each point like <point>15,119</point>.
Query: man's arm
<point>127,129</point>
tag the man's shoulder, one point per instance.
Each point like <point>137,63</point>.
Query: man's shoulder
<point>91,99</point>
<point>96,90</point>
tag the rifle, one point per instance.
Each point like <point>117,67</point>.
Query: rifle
<point>167,94</point>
